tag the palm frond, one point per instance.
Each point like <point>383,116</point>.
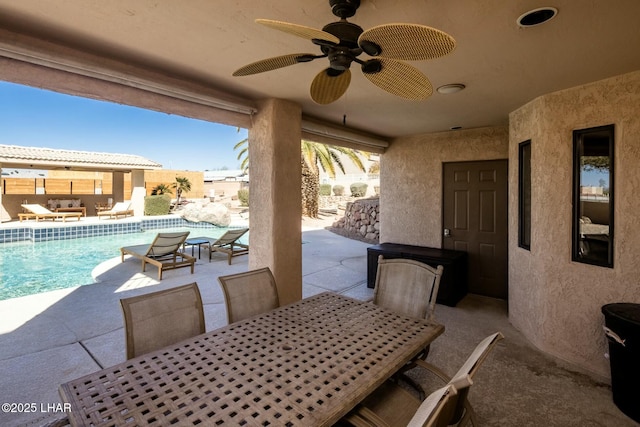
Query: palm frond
<point>241,143</point>
<point>245,164</point>
<point>182,183</point>
<point>242,153</point>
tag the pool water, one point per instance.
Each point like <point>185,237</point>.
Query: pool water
<point>28,268</point>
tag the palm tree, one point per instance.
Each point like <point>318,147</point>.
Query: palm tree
<point>313,156</point>
<point>328,157</point>
<point>161,189</point>
<point>182,184</point>
<point>310,190</point>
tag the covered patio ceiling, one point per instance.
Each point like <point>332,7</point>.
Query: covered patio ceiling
<point>502,65</point>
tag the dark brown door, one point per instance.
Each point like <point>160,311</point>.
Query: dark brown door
<point>475,221</point>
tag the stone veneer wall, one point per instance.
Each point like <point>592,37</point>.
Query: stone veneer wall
<point>361,220</point>
<point>556,302</point>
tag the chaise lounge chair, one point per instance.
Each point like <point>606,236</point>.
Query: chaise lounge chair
<point>228,243</point>
<point>119,209</point>
<point>163,252</point>
<point>40,212</point>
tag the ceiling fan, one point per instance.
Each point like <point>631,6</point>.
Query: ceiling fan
<point>342,42</point>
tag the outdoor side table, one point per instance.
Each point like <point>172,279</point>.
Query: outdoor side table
<point>196,241</point>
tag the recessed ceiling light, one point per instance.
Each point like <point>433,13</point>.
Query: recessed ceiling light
<point>451,88</point>
<point>536,16</point>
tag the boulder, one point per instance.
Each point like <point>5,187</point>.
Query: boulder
<point>206,211</point>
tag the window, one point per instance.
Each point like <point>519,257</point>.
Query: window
<point>524,194</point>
<point>593,196</point>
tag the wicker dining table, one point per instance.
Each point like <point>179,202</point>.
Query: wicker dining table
<point>304,364</point>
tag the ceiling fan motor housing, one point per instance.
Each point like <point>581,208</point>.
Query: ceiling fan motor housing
<point>344,8</point>
<point>347,32</point>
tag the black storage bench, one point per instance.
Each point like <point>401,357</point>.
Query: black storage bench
<point>453,284</point>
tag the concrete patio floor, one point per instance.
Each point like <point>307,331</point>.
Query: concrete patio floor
<point>54,337</point>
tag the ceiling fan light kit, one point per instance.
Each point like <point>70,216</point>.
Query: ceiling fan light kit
<point>342,43</point>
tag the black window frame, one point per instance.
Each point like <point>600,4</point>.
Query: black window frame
<point>524,195</point>
<point>578,149</point>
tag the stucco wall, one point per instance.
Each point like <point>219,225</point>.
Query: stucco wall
<point>168,177</point>
<point>276,203</point>
<point>556,302</point>
<point>411,180</point>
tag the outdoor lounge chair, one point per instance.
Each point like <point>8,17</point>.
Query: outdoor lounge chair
<point>248,294</point>
<point>228,243</point>
<point>163,252</point>
<point>119,209</point>
<point>158,319</point>
<point>40,212</point>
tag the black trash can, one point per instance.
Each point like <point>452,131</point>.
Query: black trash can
<point>622,327</point>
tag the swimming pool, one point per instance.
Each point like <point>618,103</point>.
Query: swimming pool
<point>28,268</point>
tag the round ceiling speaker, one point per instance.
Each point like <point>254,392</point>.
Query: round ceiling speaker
<point>536,17</point>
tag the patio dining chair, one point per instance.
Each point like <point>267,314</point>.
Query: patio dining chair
<point>248,294</point>
<point>390,399</point>
<point>408,287</point>
<point>462,410</point>
<point>406,411</point>
<point>162,318</point>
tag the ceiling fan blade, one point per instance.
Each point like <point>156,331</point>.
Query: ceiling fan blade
<point>299,30</point>
<point>401,79</point>
<point>408,42</point>
<point>329,85</point>
<point>274,63</point>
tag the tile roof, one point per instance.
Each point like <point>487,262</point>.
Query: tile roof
<point>16,156</point>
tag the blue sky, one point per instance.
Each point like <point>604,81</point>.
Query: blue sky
<point>593,178</point>
<point>40,118</point>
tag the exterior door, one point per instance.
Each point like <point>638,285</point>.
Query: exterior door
<point>475,221</point>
